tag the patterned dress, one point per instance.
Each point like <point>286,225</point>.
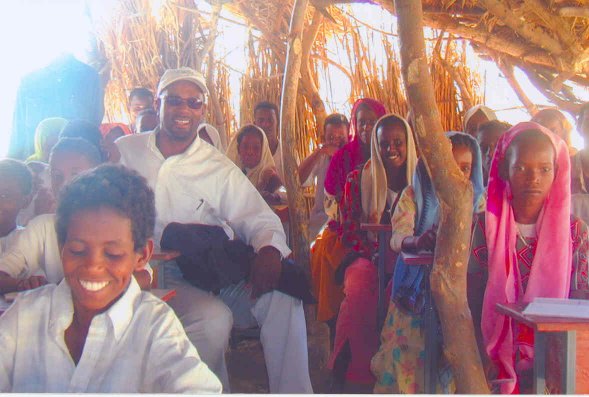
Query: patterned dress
<point>526,248</point>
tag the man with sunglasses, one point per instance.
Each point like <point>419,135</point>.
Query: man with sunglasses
<point>194,183</point>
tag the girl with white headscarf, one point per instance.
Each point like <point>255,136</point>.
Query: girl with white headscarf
<point>369,196</point>
<point>250,151</point>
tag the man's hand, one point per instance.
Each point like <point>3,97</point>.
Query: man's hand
<point>265,271</point>
<point>31,283</point>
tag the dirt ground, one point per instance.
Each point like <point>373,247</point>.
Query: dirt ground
<point>247,370</point>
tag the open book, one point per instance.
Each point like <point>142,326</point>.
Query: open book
<point>553,307</point>
<point>419,258</point>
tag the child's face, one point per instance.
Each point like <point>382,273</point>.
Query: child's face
<point>463,157</point>
<point>474,122</point>
<point>365,121</point>
<point>531,171</point>
<point>99,257</point>
<point>336,134</point>
<point>392,143</point>
<point>12,200</point>
<point>64,166</point>
<point>250,150</point>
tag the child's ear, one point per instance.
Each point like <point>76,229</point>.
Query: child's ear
<point>144,255</point>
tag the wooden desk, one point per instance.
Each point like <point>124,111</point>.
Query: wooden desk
<point>381,230</point>
<point>541,325</point>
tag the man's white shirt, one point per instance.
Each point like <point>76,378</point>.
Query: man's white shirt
<point>203,186</point>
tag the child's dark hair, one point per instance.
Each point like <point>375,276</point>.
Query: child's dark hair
<point>493,125</point>
<point>249,129</point>
<point>17,170</point>
<point>141,92</point>
<point>266,105</point>
<point>146,112</point>
<point>109,186</point>
<point>335,119</point>
<point>82,129</point>
<point>464,141</point>
<point>79,146</point>
<point>389,121</point>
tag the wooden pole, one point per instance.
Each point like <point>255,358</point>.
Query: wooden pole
<point>454,192</point>
<point>288,105</point>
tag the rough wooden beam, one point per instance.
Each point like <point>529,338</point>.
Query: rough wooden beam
<point>454,192</point>
<point>507,70</point>
<point>310,89</point>
<point>533,34</point>
<point>288,106</point>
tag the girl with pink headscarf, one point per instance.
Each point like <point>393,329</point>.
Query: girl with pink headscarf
<point>328,250</point>
<point>526,246</point>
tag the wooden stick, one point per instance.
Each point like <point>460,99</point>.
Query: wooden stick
<point>296,202</point>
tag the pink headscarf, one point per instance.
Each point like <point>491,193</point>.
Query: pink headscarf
<point>350,156</point>
<point>551,266</point>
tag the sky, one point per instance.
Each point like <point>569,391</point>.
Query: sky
<point>57,26</point>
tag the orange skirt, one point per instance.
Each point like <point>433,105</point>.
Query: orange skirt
<point>326,256</point>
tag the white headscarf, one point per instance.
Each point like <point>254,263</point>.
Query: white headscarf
<point>374,177</point>
<point>487,111</point>
<point>266,162</point>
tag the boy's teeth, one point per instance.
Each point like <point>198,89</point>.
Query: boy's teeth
<point>93,285</point>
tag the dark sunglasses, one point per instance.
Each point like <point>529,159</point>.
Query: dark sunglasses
<point>192,103</point>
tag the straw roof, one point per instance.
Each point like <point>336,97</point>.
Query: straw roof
<point>548,39</point>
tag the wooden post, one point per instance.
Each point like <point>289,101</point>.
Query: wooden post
<point>454,191</point>
<point>292,74</point>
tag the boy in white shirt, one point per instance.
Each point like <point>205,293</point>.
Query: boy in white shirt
<point>16,184</point>
<point>96,331</point>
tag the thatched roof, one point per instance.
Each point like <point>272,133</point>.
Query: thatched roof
<point>548,39</point>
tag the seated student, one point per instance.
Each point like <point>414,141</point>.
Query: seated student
<point>335,136</point>
<point>580,169</point>
<point>487,136</point>
<point>46,136</point>
<point>556,122</point>
<point>96,332</point>
<point>328,252</point>
<point>370,196</point>
<point>110,133</point>
<point>33,259</point>
<point>526,245</point>
<point>249,150</point>
<point>475,116</point>
<point>140,99</point>
<point>146,120</point>
<point>16,183</point>
<point>414,229</point>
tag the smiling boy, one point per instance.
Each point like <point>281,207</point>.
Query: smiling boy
<point>96,331</point>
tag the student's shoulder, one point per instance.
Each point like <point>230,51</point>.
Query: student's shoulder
<point>41,222</point>
<point>155,313</point>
